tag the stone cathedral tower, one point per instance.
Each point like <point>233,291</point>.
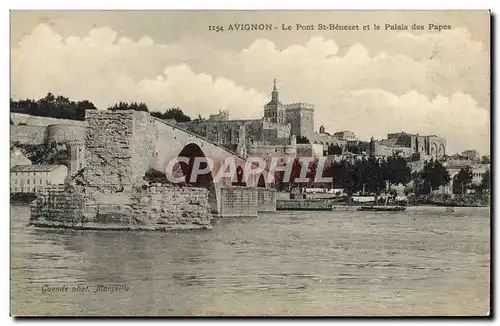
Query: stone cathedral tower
<point>274,111</point>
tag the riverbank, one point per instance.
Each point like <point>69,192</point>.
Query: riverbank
<point>447,200</point>
<point>461,200</point>
<point>22,198</point>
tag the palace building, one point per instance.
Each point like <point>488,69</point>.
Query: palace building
<point>268,135</point>
<point>275,134</point>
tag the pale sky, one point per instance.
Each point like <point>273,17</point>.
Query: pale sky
<point>370,82</point>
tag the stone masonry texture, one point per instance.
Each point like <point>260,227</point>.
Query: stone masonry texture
<point>158,207</point>
<point>120,146</point>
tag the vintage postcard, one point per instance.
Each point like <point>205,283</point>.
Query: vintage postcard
<point>250,163</point>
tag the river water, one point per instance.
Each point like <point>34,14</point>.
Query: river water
<point>423,261</point>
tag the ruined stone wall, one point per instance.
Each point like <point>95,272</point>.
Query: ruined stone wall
<point>159,207</point>
<point>144,145</point>
<point>382,150</point>
<point>238,202</point>
<point>168,207</point>
<point>57,206</point>
<point>33,135</point>
<point>266,200</point>
<point>108,144</point>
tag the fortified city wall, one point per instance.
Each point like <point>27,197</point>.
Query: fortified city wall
<point>33,120</point>
<point>37,135</point>
<point>33,135</point>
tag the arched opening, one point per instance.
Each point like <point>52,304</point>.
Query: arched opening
<point>262,182</point>
<point>239,178</point>
<point>434,150</point>
<point>442,151</point>
<point>202,180</point>
<point>192,151</point>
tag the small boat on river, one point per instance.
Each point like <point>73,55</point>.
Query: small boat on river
<point>382,208</point>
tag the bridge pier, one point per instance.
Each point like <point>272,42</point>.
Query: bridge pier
<point>238,201</point>
<point>121,146</point>
<point>266,200</point>
<point>241,201</point>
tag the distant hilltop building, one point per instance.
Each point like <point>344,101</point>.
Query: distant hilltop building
<point>274,134</point>
<point>346,135</point>
<point>222,116</point>
<point>423,147</point>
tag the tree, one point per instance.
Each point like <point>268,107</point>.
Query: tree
<point>173,113</point>
<point>39,154</point>
<point>353,149</point>
<point>82,106</point>
<point>462,180</point>
<point>53,106</point>
<point>122,106</point>
<point>348,177</point>
<point>396,171</point>
<point>373,176</point>
<point>485,182</point>
<point>485,159</point>
<point>434,175</point>
<point>302,140</point>
<point>334,149</point>
<point>418,183</point>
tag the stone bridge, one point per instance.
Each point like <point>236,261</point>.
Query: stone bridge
<point>122,146</point>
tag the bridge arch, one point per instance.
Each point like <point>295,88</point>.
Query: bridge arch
<point>205,180</point>
<point>193,151</point>
<point>262,182</point>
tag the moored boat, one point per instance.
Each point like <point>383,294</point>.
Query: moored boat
<point>382,208</point>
